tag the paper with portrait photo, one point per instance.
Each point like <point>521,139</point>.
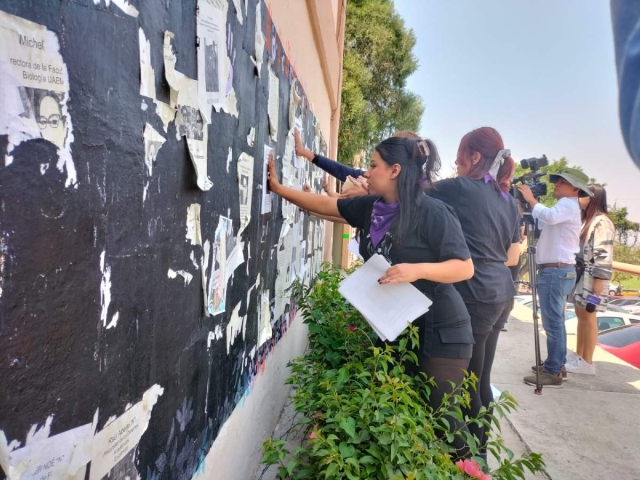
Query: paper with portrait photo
<point>245,188</point>
<point>266,194</point>
<point>189,121</point>
<point>212,52</point>
<point>218,283</point>
<point>34,90</point>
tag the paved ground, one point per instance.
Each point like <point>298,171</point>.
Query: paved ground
<point>587,430</point>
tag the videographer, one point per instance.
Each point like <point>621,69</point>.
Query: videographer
<point>557,246</point>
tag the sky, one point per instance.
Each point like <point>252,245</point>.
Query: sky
<point>541,72</point>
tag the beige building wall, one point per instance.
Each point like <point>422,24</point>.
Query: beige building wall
<point>312,31</point>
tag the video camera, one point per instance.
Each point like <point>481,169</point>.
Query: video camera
<point>531,179</point>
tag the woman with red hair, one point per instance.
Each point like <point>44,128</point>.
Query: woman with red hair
<point>491,224</point>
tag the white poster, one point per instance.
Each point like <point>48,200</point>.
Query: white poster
<point>274,104</point>
<point>266,194</point>
<point>245,188</point>
<point>211,57</point>
<point>34,90</point>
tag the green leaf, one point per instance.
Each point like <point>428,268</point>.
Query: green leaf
<point>348,424</point>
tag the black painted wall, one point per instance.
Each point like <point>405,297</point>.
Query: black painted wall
<point>56,357</point>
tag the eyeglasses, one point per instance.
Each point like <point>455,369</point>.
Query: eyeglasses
<point>53,121</point>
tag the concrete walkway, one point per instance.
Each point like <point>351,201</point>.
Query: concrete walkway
<point>589,429</point>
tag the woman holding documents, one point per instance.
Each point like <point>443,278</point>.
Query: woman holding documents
<point>423,241</point>
<point>490,221</point>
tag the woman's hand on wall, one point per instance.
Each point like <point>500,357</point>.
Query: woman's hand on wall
<point>272,175</point>
<point>300,150</point>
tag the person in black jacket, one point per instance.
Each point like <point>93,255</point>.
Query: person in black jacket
<point>421,238</point>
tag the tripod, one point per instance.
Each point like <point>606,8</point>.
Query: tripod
<point>530,228</point>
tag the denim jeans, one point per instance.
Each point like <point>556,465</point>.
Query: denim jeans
<point>554,284</point>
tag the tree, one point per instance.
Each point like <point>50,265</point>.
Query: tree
<point>625,228</point>
<point>378,59</point>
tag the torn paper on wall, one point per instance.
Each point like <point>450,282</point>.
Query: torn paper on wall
<point>259,39</point>
<point>118,437</point>
<point>212,52</point>
<point>251,137</point>
<point>294,104</point>
<point>236,325</point>
<point>227,256</point>
<point>153,141</point>
<point>266,194</point>
<point>264,318</point>
<point>194,233</point>
<point>183,273</point>
<point>105,289</point>
<point>284,272</point>
<point>205,267</point>
<point>34,90</point>
<point>45,458</point>
<point>215,335</point>
<point>274,104</point>
<point>123,5</point>
<point>236,4</point>
<point>298,161</point>
<point>189,120</point>
<point>147,75</point>
<point>245,188</point>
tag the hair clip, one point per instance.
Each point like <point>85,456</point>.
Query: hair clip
<point>423,148</point>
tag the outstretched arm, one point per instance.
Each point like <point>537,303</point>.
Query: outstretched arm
<point>321,204</point>
<point>333,168</point>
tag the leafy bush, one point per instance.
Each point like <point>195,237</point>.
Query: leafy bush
<point>365,416</point>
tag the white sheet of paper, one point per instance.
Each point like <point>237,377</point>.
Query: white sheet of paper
<point>354,247</point>
<point>274,104</point>
<point>210,27</point>
<point>388,308</point>
<point>266,194</point>
<point>245,188</point>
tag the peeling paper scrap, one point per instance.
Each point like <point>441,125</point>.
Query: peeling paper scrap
<point>212,53</point>
<point>259,39</point>
<point>251,137</point>
<point>245,188</point>
<point>184,274</point>
<point>114,321</point>
<point>234,260</point>
<point>215,335</point>
<point>153,141</point>
<point>294,103</point>
<point>119,437</point>
<point>236,325</point>
<point>274,104</point>
<point>126,7</point>
<point>45,458</point>
<point>147,75</point>
<point>236,4</point>
<point>205,267</point>
<point>229,159</point>
<point>194,233</point>
<point>166,113</point>
<point>264,323</point>
<point>34,84</point>
<point>189,120</point>
<point>105,289</point>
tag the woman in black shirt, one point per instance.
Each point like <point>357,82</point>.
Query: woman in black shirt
<point>421,238</point>
<point>490,221</point>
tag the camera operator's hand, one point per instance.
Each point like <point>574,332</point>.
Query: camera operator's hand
<point>527,194</point>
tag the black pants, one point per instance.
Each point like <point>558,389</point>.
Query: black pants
<point>443,371</point>
<point>486,320</point>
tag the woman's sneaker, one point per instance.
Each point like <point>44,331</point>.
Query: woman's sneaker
<point>580,366</point>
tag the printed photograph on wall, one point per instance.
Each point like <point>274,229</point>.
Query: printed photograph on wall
<point>45,107</point>
<point>190,123</point>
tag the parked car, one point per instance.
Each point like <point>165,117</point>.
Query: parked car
<point>623,342</point>
<point>624,301</point>
<point>606,321</point>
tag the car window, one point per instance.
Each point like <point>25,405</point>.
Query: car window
<point>634,320</point>
<point>605,323</point>
<point>620,338</point>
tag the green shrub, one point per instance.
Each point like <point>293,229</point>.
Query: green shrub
<point>364,416</point>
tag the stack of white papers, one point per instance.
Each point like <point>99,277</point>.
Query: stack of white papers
<point>389,309</point>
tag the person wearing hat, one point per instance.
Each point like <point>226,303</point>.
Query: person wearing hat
<point>556,251</point>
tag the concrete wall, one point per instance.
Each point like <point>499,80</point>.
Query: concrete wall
<point>144,328</point>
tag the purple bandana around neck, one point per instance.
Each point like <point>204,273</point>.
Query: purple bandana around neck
<point>381,219</point>
<point>488,178</point>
